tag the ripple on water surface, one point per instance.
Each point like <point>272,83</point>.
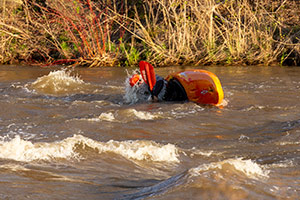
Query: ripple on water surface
<point>61,133</point>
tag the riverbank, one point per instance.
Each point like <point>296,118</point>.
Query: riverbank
<point>120,33</point>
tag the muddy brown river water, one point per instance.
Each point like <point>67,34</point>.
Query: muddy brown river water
<point>76,135</point>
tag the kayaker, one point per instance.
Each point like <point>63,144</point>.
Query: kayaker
<point>199,86</point>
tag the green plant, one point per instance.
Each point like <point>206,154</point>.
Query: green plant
<point>132,55</point>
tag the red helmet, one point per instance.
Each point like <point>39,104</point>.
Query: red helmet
<point>134,79</point>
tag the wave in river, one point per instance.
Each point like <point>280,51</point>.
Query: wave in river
<point>207,177</point>
<point>127,115</point>
<point>69,148</point>
<point>124,116</point>
<point>59,82</point>
<point>247,167</point>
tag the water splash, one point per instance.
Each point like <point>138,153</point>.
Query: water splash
<point>59,82</point>
<point>246,167</point>
<point>21,150</point>
<point>125,116</point>
<point>107,117</point>
<point>198,178</point>
<point>136,93</point>
<point>206,153</point>
<point>142,114</point>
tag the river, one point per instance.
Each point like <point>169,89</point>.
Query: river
<point>73,135</point>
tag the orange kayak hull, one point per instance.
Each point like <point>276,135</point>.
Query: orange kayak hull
<point>201,86</point>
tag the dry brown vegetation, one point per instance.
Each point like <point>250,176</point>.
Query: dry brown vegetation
<point>111,33</point>
<point>212,32</point>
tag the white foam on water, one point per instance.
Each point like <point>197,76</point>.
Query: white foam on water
<point>57,83</point>
<point>128,115</point>
<point>244,137</point>
<point>284,143</point>
<point>22,129</point>
<point>136,93</point>
<point>283,164</point>
<point>107,117</point>
<point>247,167</point>
<point>97,103</point>
<point>21,150</point>
<point>186,109</point>
<point>224,103</point>
<point>203,153</point>
<point>140,150</point>
<point>124,116</point>
<point>103,117</point>
<point>255,107</point>
<point>143,114</point>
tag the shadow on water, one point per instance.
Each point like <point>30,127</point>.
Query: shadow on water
<point>158,188</point>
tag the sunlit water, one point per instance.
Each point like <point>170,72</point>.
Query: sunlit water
<point>78,135</point>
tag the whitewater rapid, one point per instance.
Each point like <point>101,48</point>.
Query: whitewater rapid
<point>85,133</point>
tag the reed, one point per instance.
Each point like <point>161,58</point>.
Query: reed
<point>111,33</point>
<point>82,30</point>
<point>68,31</point>
<point>212,32</point>
<point>11,32</point>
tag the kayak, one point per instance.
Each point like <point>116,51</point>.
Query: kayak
<point>199,86</point>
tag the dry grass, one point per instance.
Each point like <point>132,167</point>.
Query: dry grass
<point>82,30</point>
<point>63,31</point>
<point>11,33</point>
<point>212,32</point>
<point>111,32</point>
